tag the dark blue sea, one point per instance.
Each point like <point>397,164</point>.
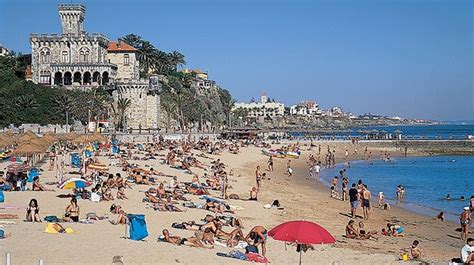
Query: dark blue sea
<point>427,181</point>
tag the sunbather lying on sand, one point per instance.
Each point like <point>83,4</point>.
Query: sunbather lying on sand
<point>167,206</point>
<point>176,240</point>
<point>231,238</point>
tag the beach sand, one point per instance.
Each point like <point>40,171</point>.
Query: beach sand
<point>301,198</point>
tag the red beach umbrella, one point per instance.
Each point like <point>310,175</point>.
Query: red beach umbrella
<point>301,232</point>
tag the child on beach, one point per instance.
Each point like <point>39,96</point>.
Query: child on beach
<point>381,198</point>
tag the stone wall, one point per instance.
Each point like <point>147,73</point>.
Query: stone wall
<point>153,111</point>
<point>129,71</point>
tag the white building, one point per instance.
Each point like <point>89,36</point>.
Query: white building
<point>264,108</point>
<point>306,108</point>
<point>3,50</point>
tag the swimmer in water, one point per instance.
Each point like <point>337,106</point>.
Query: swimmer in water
<point>447,197</point>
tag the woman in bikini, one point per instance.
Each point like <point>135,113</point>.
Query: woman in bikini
<point>32,211</point>
<point>122,215</point>
<point>72,211</point>
<point>176,240</point>
<point>351,231</point>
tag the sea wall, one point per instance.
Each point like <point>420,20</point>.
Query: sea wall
<point>459,147</point>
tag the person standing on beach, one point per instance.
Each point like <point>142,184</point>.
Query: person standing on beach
<point>289,170</point>
<point>317,170</point>
<point>270,163</point>
<point>258,177</point>
<point>344,183</point>
<point>353,199</point>
<point>465,220</point>
<point>366,196</point>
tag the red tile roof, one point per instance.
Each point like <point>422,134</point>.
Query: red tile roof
<point>122,47</point>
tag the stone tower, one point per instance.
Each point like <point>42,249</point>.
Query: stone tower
<point>144,108</point>
<point>72,18</point>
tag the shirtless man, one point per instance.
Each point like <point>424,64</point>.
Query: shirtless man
<point>465,220</point>
<point>232,237</point>
<point>366,196</point>
<point>258,236</point>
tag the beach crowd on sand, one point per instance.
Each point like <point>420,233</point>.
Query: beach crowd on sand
<point>204,184</point>
<point>359,194</point>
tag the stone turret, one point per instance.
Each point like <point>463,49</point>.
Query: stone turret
<point>72,18</point>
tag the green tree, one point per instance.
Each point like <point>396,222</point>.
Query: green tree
<point>65,105</point>
<point>176,60</point>
<point>122,106</point>
<point>26,102</point>
<point>134,40</point>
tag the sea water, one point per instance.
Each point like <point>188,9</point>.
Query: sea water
<point>427,181</point>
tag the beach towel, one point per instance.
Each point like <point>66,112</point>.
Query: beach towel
<point>235,254</point>
<point>254,257</point>
<point>138,230</point>
<point>2,197</point>
<point>211,199</point>
<point>55,228</point>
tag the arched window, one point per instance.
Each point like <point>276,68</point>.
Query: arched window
<point>84,54</point>
<point>45,55</point>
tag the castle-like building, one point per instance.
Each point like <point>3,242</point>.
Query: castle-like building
<point>76,59</point>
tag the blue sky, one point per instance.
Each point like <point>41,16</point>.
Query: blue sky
<point>411,58</point>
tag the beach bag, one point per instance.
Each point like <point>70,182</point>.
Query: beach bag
<point>251,249</point>
<point>2,197</point>
<point>276,203</point>
<point>178,226</point>
<point>138,230</point>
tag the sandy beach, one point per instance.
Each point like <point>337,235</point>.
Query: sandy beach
<point>301,198</point>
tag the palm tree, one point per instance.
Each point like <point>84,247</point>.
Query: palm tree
<point>168,106</point>
<point>227,104</point>
<point>26,102</point>
<point>176,59</point>
<point>122,105</point>
<point>64,104</point>
<point>146,55</point>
